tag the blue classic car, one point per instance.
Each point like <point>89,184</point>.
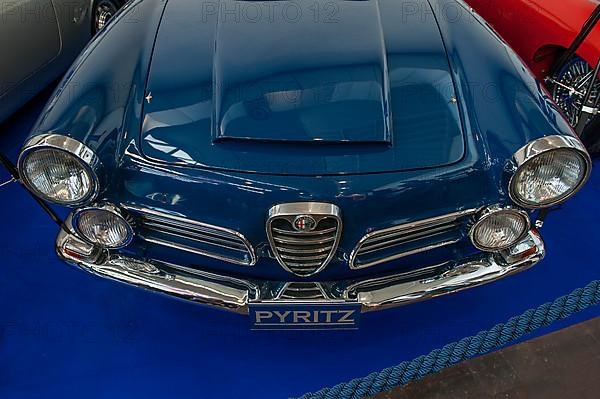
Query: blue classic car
<point>302,162</point>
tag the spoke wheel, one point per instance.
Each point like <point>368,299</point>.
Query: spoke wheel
<point>575,79</point>
<point>104,10</point>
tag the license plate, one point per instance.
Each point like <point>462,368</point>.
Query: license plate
<point>298,316</point>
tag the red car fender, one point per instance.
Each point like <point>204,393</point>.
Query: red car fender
<point>538,30</point>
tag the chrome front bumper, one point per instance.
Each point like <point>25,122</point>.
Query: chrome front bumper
<point>236,294</point>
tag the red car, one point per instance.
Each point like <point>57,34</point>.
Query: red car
<point>560,41</point>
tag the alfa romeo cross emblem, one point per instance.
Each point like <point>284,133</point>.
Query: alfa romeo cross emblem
<point>304,223</point>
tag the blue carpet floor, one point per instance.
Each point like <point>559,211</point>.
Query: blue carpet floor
<point>64,333</point>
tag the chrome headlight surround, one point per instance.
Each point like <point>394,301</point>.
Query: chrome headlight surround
<point>113,212</point>
<point>81,153</point>
<point>492,211</point>
<point>542,146</point>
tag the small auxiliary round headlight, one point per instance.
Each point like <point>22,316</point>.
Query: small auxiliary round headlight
<point>550,170</point>
<point>499,228</point>
<point>103,226</point>
<point>59,169</point>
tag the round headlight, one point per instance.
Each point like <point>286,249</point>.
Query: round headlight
<point>59,169</point>
<point>103,226</point>
<point>499,228</point>
<point>550,170</point>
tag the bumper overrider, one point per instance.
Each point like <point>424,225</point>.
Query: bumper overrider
<point>239,295</point>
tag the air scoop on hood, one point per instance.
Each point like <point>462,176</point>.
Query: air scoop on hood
<point>338,87</point>
<point>316,83</point>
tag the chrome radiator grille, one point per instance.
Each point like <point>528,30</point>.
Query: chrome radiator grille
<point>409,239</point>
<point>192,236</point>
<point>304,236</point>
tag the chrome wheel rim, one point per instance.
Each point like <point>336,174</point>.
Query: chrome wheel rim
<point>574,81</point>
<point>103,13</point>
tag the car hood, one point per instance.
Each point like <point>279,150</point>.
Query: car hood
<point>342,87</point>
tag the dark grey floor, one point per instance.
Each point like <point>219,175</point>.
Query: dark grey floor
<point>561,365</point>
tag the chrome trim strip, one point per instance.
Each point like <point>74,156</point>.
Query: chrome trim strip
<point>86,156</point>
<point>196,251</point>
<point>406,253</point>
<point>376,244</point>
<point>234,245</point>
<point>302,208</point>
<point>300,233</point>
<point>418,231</point>
<point>420,225</point>
<point>467,275</point>
<point>315,257</point>
<point>305,251</point>
<point>292,210</point>
<point>416,274</point>
<point>303,265</point>
<point>237,294</point>
<point>6,183</point>
<point>157,223</point>
<point>303,242</point>
<point>203,227</point>
<point>542,145</point>
<point>288,292</point>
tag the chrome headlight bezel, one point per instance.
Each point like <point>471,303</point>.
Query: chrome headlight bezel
<point>541,146</point>
<point>109,208</point>
<point>488,212</point>
<point>81,153</point>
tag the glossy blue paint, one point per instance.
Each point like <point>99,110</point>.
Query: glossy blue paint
<point>241,201</point>
<point>184,151</point>
<point>305,97</point>
<point>323,82</point>
<point>64,332</point>
<point>105,86</point>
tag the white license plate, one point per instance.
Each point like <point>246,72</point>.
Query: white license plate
<point>299,316</point>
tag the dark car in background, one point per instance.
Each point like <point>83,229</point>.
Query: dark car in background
<point>39,39</point>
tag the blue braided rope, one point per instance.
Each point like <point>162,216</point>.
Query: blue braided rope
<point>468,347</point>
